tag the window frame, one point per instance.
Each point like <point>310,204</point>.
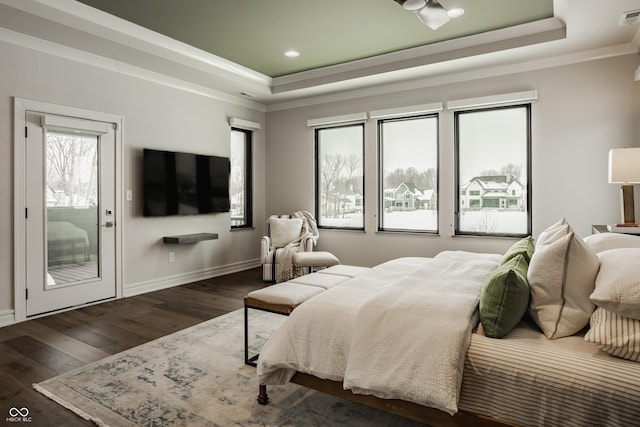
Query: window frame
<point>380,177</point>
<point>318,190</point>
<point>248,179</point>
<point>528,108</point>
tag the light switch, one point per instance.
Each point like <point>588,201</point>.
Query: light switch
<point>129,195</point>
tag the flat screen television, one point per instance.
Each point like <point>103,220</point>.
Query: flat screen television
<point>184,184</point>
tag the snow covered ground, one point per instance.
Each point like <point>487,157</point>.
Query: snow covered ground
<point>486,221</point>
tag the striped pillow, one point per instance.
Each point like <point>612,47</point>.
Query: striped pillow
<point>615,334</point>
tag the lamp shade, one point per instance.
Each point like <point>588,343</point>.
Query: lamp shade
<point>624,166</point>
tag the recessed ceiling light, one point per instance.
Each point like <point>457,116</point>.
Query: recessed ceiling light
<point>455,12</point>
<point>292,54</point>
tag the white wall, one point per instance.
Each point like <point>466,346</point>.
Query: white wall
<point>583,110</point>
<point>155,116</point>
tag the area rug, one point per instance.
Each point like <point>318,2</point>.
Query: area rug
<point>197,377</point>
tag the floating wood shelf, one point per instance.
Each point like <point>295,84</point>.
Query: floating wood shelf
<point>186,239</point>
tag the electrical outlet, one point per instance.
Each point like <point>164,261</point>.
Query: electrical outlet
<point>172,257</point>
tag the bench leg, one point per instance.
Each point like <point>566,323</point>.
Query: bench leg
<point>247,360</point>
<point>263,398</point>
<point>253,360</point>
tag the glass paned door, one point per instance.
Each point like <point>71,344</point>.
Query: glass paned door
<point>70,228</point>
<point>71,174</point>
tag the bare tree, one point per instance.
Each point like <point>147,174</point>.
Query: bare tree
<point>512,169</point>
<point>65,154</point>
<point>489,172</point>
<point>424,180</point>
<point>352,165</point>
<point>330,172</point>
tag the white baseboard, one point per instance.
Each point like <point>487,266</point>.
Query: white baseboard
<point>7,317</point>
<point>139,288</point>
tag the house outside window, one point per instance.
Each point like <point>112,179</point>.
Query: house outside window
<point>408,174</point>
<point>340,177</point>
<point>493,171</point>
<point>240,189</point>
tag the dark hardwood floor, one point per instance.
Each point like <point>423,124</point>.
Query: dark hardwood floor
<point>39,349</point>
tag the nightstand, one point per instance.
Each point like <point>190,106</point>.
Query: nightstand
<point>595,229</point>
<point>631,231</point>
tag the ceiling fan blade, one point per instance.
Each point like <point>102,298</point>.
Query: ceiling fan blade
<point>433,15</point>
<point>412,4</point>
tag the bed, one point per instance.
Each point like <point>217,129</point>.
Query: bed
<point>380,340</point>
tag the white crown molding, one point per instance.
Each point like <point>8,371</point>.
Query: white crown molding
<point>446,77</point>
<point>175,64</point>
<point>58,50</point>
<point>93,21</point>
<point>507,38</point>
<point>76,55</point>
<point>109,28</point>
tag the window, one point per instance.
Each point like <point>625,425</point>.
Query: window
<point>340,177</point>
<point>408,174</point>
<point>493,171</point>
<point>240,179</point>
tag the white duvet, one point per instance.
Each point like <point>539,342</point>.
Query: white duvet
<point>399,331</point>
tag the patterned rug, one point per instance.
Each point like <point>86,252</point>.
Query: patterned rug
<point>197,377</point>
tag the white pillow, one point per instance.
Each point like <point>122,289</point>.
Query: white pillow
<point>284,231</point>
<point>604,241</point>
<point>617,335</point>
<point>618,282</point>
<point>552,229</point>
<point>562,276</point>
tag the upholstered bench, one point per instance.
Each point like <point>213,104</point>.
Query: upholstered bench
<point>307,262</point>
<point>342,270</point>
<point>283,298</point>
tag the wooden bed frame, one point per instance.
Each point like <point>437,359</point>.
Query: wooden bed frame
<point>414,411</point>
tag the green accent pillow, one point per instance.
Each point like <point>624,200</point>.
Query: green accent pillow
<point>505,297</point>
<point>521,247</point>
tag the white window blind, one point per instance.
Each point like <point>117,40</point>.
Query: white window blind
<point>412,110</point>
<point>337,120</point>
<point>72,124</point>
<point>244,124</point>
<point>492,100</point>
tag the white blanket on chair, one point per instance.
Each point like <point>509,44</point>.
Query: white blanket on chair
<point>283,257</point>
<point>410,340</point>
<point>283,260</point>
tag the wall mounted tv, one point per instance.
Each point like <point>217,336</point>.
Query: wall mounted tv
<point>184,184</point>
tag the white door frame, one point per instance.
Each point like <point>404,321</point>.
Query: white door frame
<point>21,106</point>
